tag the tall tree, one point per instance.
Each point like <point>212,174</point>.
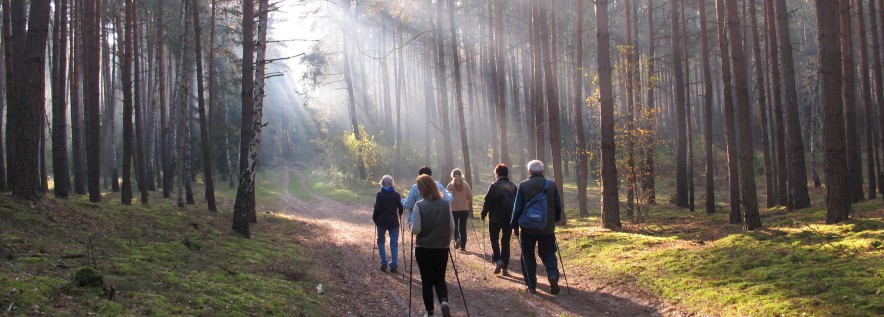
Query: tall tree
<point>126,73</point>
<point>29,49</point>
<point>500,81</point>
<point>630,114</point>
<point>247,181</point>
<point>241,210</point>
<point>778,128</point>
<point>848,66</point>
<point>681,142</point>
<point>876,72</point>
<point>91,97</point>
<point>552,98</point>
<point>442,87</point>
<point>748,198</point>
<point>610,199</point>
<point>837,190</point>
<point>204,124</point>
<point>647,170</point>
<point>138,108</point>
<point>77,146</point>
<point>866,83</point>
<point>458,95</point>
<point>762,107</point>
<point>730,128</point>
<point>165,130</point>
<point>582,169</point>
<point>797,168</point>
<point>60,167</point>
<point>707,110</point>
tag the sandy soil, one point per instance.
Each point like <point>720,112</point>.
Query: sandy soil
<point>343,245</point>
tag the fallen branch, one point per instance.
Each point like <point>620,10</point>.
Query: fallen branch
<point>229,271</point>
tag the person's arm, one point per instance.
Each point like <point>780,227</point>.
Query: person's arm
<point>377,205</point>
<point>469,193</point>
<point>490,199</point>
<point>446,195</point>
<point>416,224</point>
<point>408,203</point>
<point>451,223</point>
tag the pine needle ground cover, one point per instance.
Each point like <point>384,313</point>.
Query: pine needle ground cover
<point>154,260</point>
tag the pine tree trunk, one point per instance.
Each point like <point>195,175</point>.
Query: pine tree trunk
<point>610,199</point>
<point>77,163</point>
<point>458,95</point>
<point>730,129</point>
<point>204,124</point>
<point>867,98</point>
<point>91,98</point>
<point>3,68</point>
<point>60,167</point>
<point>630,115</point>
<point>138,107</point>
<point>442,86</point>
<point>552,97</point>
<point>165,130</point>
<point>681,143</point>
<point>28,119</point>
<point>707,110</point>
<point>127,104</point>
<point>848,66</point>
<point>762,108</point>
<point>650,114</point>
<point>876,72</point>
<point>837,190</point>
<point>241,214</point>
<point>748,197</point>
<point>582,170</point>
<point>797,172</point>
<point>500,81</point>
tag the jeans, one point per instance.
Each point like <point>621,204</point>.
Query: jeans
<point>546,248</point>
<point>500,245</point>
<point>394,244</point>
<point>460,227</point>
<point>432,264</point>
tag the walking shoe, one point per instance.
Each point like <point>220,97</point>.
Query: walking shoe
<point>554,285</point>
<point>446,311</point>
<point>498,267</point>
<point>383,267</point>
<point>505,272</point>
<point>530,290</point>
<point>393,269</point>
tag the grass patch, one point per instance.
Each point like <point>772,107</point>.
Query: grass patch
<point>362,193</point>
<point>159,259</point>
<point>298,190</point>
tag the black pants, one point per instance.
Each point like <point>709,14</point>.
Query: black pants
<point>546,248</point>
<point>500,245</point>
<point>460,227</point>
<point>432,264</point>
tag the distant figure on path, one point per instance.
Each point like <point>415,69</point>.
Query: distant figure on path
<point>387,212</point>
<point>434,226</point>
<point>498,207</point>
<point>545,237</point>
<point>463,199</point>
<point>414,195</point>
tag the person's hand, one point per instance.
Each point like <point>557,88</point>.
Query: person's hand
<point>483,219</point>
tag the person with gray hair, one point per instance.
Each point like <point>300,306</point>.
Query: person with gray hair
<point>545,238</point>
<point>387,212</point>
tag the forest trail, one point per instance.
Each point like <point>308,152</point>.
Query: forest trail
<point>343,246</point>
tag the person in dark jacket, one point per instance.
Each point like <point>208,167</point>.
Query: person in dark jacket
<point>544,239</point>
<point>498,207</point>
<point>434,226</point>
<point>387,212</point>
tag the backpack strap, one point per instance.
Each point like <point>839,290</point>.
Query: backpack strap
<point>545,186</point>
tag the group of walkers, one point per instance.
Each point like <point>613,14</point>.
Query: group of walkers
<point>438,215</point>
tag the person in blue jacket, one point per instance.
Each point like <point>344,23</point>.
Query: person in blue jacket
<point>414,195</point>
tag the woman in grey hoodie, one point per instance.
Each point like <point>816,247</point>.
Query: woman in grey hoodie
<point>434,226</point>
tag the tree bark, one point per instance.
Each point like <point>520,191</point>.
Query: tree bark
<point>442,87</point>
<point>848,66</point>
<point>126,73</point>
<point>778,126</point>
<point>650,114</point>
<point>681,143</point>
<point>867,98</point>
<point>140,159</point>
<point>610,199</point>
<point>707,110</point>
<point>500,81</point>
<point>762,108</point>
<point>552,106</point>
<point>797,171</point>
<point>837,190</point>
<point>91,98</point>
<point>77,163</point>
<point>204,124</point>
<point>730,129</point>
<point>630,115</point>
<point>458,95</point>
<point>582,170</point>
<point>60,167</point>
<point>165,130</point>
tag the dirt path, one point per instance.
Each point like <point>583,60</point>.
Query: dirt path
<point>344,248</point>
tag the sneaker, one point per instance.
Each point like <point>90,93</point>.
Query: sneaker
<point>383,267</point>
<point>554,285</point>
<point>446,311</point>
<point>505,272</point>
<point>498,267</point>
<point>393,269</point>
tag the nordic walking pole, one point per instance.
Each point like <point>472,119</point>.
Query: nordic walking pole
<point>476,233</point>
<point>559,251</point>
<point>373,246</point>
<point>402,241</point>
<point>410,274</point>
<point>458,285</point>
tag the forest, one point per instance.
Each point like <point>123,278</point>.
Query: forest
<point>204,157</point>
